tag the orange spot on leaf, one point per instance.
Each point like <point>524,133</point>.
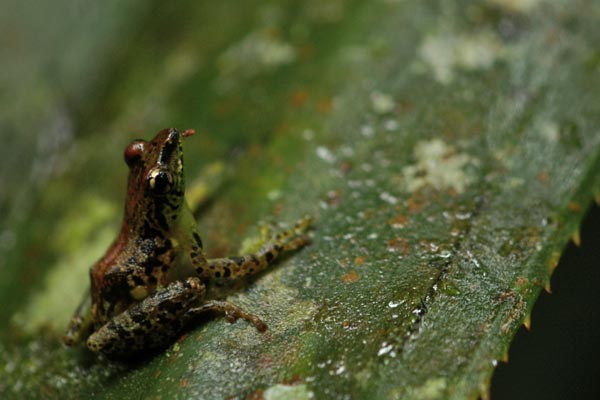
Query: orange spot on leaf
<point>325,106</point>
<point>360,260</point>
<point>521,281</point>
<point>543,177</point>
<point>350,277</point>
<point>399,221</point>
<point>258,395</point>
<point>345,167</point>
<point>299,97</point>
<point>182,338</point>
<point>399,245</point>
<point>415,202</point>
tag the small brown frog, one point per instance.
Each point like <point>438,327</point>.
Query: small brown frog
<point>136,303</point>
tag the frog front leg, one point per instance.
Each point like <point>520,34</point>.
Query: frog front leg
<point>158,319</point>
<point>250,264</point>
<point>81,324</point>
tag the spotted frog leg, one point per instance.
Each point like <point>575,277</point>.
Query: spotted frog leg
<point>250,264</point>
<point>157,319</point>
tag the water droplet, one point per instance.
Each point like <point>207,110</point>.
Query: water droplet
<point>393,304</point>
<point>418,311</point>
<point>385,348</point>
<point>463,215</point>
<point>445,254</point>
<point>388,198</point>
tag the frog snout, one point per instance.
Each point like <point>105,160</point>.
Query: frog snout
<point>173,135</point>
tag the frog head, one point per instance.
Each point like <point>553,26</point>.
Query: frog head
<point>156,181</point>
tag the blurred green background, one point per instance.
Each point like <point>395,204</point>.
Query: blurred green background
<point>425,137</point>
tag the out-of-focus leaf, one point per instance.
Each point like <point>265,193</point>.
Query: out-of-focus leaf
<point>447,149</point>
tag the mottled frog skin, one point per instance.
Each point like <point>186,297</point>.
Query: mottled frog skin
<point>137,302</point>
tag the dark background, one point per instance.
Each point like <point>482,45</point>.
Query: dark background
<point>560,357</point>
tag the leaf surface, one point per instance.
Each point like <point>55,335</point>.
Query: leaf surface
<point>447,150</point>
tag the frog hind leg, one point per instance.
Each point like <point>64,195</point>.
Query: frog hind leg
<point>81,325</point>
<point>250,264</point>
<point>157,320</point>
<point>232,313</point>
<point>152,323</point>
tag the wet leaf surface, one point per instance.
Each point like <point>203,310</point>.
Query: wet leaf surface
<point>447,150</point>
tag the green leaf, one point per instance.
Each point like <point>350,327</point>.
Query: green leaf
<point>447,150</point>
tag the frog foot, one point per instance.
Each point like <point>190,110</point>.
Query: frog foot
<point>232,313</point>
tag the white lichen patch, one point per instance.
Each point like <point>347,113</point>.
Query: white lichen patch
<point>258,52</point>
<point>286,308</point>
<point>520,6</point>
<point>438,165</point>
<point>274,195</point>
<point>549,130</point>
<point>382,103</point>
<point>288,392</point>
<point>445,53</point>
<point>514,182</point>
<point>433,388</point>
<point>367,131</point>
<point>388,198</point>
<point>325,154</point>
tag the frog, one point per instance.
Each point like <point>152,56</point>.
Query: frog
<point>140,298</point>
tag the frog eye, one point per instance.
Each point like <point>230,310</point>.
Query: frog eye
<point>134,151</point>
<point>160,181</point>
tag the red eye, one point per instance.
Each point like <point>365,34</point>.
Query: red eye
<point>134,151</point>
